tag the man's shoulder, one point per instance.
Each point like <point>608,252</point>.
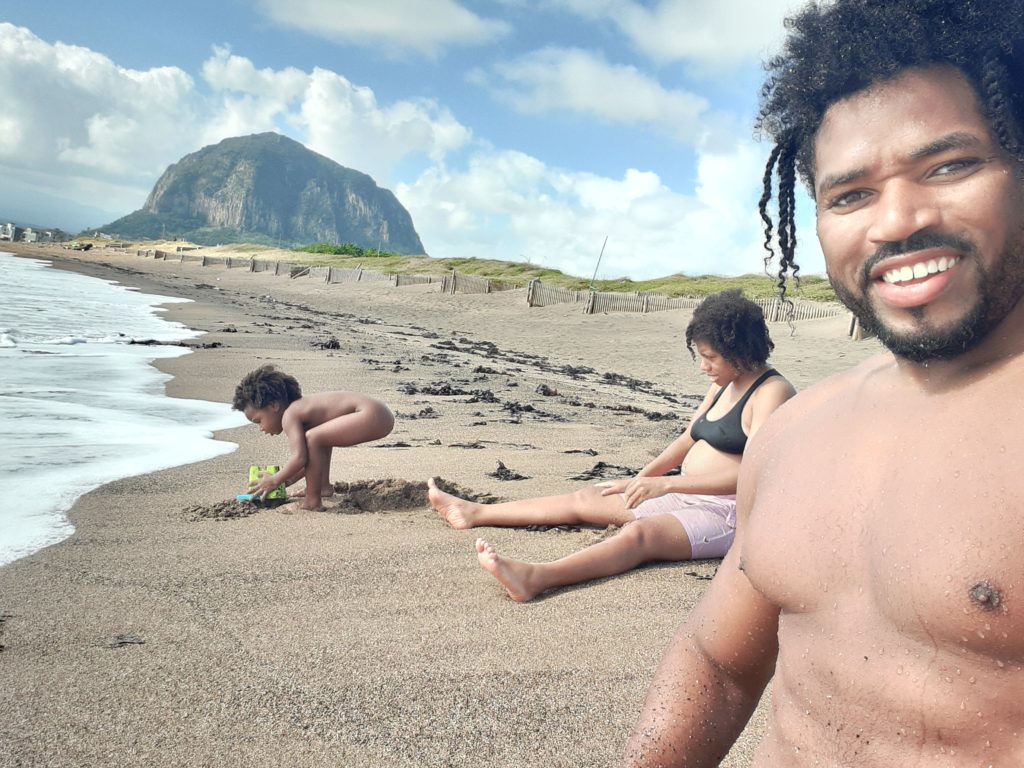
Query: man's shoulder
<point>840,386</point>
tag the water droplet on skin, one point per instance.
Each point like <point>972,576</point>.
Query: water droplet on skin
<point>899,670</point>
<point>972,679</point>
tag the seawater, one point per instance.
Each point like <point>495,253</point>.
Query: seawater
<point>80,405</point>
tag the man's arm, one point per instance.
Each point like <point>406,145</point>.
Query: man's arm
<point>719,661</point>
<point>711,677</point>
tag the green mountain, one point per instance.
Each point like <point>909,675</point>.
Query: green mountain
<point>267,188</point>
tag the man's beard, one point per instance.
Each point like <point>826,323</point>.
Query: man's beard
<point>999,290</point>
<point>925,344</point>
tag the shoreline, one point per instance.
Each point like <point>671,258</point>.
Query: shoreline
<point>364,638</point>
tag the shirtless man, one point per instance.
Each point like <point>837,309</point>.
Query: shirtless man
<point>877,570</point>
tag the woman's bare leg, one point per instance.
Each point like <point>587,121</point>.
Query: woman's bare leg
<point>586,505</point>
<point>646,540</point>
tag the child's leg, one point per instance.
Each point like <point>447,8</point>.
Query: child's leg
<point>326,487</point>
<point>586,505</point>
<point>353,428</point>
<point>648,539</point>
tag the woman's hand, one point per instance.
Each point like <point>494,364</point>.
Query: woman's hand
<point>611,487</point>
<point>640,489</point>
<point>636,490</point>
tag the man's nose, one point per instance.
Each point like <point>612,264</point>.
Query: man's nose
<point>902,209</point>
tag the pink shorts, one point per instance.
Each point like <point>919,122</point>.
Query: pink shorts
<point>709,521</point>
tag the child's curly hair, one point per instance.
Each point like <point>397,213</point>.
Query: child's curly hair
<point>734,326</point>
<point>264,386</point>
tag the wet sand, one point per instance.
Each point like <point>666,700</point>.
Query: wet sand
<point>174,628</point>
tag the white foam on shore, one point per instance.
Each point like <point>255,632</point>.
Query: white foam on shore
<point>80,406</point>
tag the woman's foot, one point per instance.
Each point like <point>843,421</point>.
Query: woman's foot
<point>458,513</point>
<point>514,575</point>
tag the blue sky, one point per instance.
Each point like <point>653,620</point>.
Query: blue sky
<point>510,129</point>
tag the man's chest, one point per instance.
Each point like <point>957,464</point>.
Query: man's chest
<point>915,522</point>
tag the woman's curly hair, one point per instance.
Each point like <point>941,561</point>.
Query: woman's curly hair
<point>836,49</point>
<point>264,386</point>
<point>734,326</point>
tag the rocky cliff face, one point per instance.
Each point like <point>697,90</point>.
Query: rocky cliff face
<point>269,188</point>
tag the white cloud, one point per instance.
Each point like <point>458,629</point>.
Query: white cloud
<point>507,205</point>
<point>90,126</point>
<point>581,81</point>
<point>345,123</point>
<point>329,114</point>
<point>398,26</point>
<point>712,34</point>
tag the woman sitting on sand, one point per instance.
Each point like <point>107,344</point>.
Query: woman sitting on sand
<point>687,516</point>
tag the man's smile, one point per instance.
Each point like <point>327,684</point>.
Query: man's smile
<point>918,270</point>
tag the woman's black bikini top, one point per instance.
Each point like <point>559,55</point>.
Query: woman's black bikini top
<point>726,434</point>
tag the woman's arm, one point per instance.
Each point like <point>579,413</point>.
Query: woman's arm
<point>673,455</point>
<point>668,459</point>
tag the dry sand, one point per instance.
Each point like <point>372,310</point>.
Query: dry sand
<point>163,633</point>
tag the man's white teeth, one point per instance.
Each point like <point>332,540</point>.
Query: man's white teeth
<point>919,270</point>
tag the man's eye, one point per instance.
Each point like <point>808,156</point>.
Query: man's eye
<point>955,167</point>
<point>847,199</point>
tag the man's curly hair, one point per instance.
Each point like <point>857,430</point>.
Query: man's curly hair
<point>836,49</point>
<point>734,326</point>
<point>264,386</point>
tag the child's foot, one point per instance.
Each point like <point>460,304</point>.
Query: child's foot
<point>514,575</point>
<point>295,506</point>
<point>326,493</point>
<point>458,513</point>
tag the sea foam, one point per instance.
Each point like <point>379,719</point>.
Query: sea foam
<point>80,405</point>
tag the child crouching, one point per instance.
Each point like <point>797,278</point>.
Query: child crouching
<point>314,425</point>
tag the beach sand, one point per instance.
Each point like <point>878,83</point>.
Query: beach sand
<point>162,635</point>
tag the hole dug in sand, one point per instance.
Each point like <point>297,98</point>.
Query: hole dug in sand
<point>388,495</point>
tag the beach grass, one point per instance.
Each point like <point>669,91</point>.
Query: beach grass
<point>519,274</point>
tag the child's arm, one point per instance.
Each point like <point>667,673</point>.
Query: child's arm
<point>295,467</point>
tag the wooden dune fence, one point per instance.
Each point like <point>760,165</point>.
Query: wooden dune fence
<point>537,293</point>
<point>775,310</point>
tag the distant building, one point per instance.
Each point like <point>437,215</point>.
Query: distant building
<point>29,235</point>
<point>10,232</point>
